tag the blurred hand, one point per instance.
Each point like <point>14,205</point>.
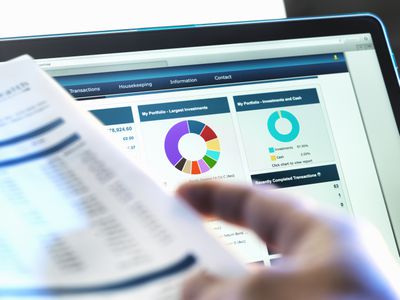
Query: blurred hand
<point>325,256</point>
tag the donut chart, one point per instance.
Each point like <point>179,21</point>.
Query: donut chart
<point>283,114</point>
<point>183,164</point>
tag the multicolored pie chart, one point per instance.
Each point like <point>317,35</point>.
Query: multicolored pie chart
<point>183,164</point>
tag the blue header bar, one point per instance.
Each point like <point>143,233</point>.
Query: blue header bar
<point>276,99</point>
<point>299,177</point>
<point>170,78</point>
<point>114,116</point>
<point>183,109</point>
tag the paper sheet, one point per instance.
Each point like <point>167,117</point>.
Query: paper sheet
<point>78,219</point>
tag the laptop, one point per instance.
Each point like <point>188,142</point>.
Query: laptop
<point>307,105</point>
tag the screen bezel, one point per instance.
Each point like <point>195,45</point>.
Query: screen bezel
<point>70,45</point>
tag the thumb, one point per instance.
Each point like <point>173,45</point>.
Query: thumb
<point>196,286</point>
<point>265,284</point>
<point>204,286</point>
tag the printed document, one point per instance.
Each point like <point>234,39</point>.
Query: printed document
<point>79,219</point>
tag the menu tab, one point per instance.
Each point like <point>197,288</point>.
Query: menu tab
<point>170,78</point>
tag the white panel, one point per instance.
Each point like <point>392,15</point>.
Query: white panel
<point>24,17</point>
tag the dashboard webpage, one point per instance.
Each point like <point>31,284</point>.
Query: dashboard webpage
<point>281,113</point>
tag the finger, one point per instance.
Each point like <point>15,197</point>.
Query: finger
<point>270,284</point>
<point>278,219</point>
<point>206,287</point>
<point>196,285</point>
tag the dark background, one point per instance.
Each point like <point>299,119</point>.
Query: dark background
<point>387,10</point>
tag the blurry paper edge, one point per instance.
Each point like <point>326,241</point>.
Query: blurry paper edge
<point>99,171</point>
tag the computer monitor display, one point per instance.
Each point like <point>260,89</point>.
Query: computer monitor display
<point>281,113</point>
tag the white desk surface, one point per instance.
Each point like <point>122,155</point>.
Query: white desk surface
<point>27,17</point>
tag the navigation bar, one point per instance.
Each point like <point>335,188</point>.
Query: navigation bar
<point>171,78</point>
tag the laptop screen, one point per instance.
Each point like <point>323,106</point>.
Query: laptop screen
<point>283,113</point>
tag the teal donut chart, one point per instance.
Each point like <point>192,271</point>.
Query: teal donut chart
<point>284,138</point>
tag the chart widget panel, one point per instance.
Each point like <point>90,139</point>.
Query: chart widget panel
<point>191,140</point>
<point>119,121</point>
<point>288,145</point>
<point>321,182</point>
<point>283,129</point>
